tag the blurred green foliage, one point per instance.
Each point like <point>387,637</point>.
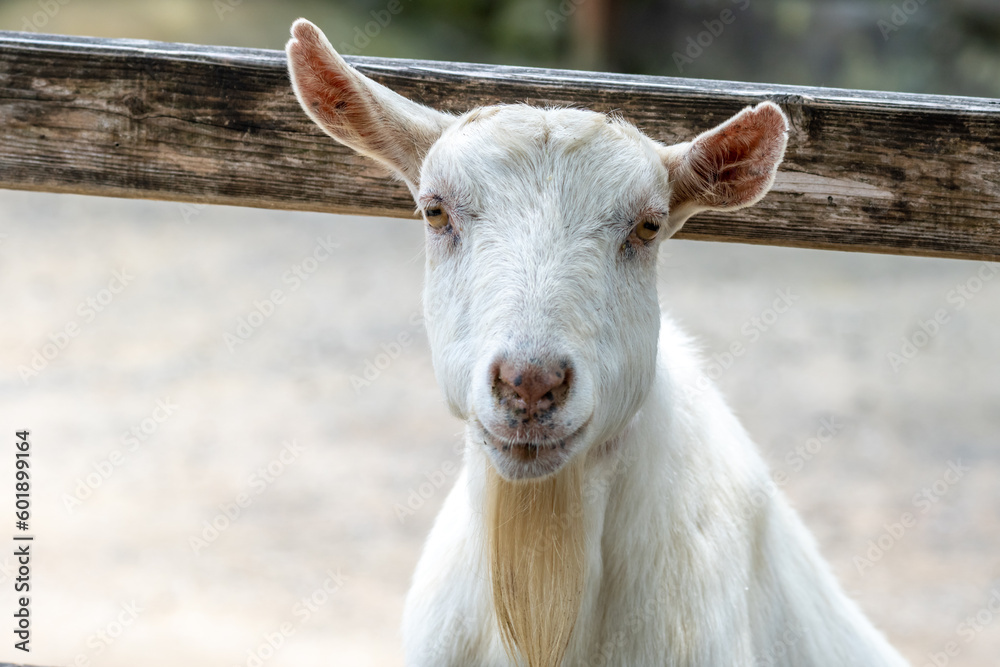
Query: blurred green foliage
<point>927,46</point>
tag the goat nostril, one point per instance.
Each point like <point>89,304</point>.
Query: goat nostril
<point>529,389</point>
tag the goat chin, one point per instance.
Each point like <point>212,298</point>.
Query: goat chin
<point>535,542</point>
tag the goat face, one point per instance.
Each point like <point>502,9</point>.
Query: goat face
<point>542,231</point>
<point>540,291</point>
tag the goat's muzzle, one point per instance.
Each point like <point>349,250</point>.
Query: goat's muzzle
<point>529,429</point>
<point>529,394</point>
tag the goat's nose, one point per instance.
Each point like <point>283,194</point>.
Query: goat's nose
<point>530,390</point>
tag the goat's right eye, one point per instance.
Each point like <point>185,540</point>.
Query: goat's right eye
<point>647,231</point>
<point>436,217</point>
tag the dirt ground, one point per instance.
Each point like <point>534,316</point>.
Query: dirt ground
<point>154,413</point>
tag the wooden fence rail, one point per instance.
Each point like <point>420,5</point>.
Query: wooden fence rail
<point>865,171</point>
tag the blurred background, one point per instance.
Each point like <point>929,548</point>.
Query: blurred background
<point>922,46</point>
<point>205,502</point>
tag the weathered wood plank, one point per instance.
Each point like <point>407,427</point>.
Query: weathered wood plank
<point>865,171</point>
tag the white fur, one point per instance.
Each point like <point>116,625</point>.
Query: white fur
<point>693,557</point>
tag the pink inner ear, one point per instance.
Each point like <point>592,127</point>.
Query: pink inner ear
<point>356,111</point>
<point>737,161</point>
<point>323,85</point>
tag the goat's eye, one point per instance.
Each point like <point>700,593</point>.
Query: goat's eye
<point>436,217</point>
<point>647,231</point>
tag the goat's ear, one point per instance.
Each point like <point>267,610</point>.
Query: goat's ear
<point>357,111</point>
<point>728,167</point>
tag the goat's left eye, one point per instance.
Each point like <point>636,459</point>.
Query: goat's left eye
<point>436,217</point>
<point>647,231</point>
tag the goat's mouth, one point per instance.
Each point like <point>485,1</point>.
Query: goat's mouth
<point>524,459</point>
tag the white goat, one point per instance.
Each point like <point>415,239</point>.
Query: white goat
<point>606,514</point>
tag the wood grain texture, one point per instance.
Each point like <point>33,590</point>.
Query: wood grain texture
<point>865,171</point>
